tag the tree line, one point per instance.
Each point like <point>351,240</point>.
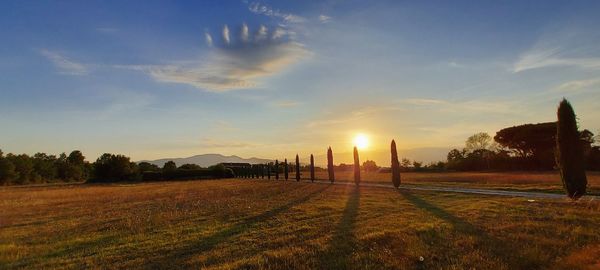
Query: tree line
<point>44,168</point>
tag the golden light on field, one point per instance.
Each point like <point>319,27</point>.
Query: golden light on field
<point>361,141</point>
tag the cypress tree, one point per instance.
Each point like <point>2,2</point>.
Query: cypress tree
<point>276,170</point>
<point>569,152</point>
<point>297,168</point>
<point>285,169</point>
<point>395,166</point>
<point>269,170</point>
<point>262,171</point>
<point>356,167</point>
<point>253,170</point>
<point>330,164</point>
<point>312,168</point>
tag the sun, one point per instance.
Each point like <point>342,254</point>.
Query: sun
<point>361,141</point>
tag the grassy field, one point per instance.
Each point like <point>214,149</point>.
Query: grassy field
<point>520,181</point>
<point>260,224</point>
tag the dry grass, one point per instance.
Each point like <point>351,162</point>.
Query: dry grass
<point>522,181</point>
<point>250,224</point>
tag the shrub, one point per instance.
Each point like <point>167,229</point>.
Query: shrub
<point>395,165</point>
<point>569,154</point>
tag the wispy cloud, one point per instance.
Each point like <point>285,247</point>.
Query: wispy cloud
<point>234,64</point>
<point>66,66</point>
<point>285,104</point>
<point>261,9</point>
<point>578,85</point>
<point>324,18</point>
<point>553,57</point>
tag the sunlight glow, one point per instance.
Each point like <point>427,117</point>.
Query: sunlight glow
<point>361,141</point>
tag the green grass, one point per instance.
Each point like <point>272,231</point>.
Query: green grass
<point>260,224</point>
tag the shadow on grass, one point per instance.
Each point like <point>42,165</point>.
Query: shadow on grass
<point>343,242</point>
<point>75,249</point>
<point>484,241</point>
<point>180,256</point>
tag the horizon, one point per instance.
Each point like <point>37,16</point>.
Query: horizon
<point>153,79</point>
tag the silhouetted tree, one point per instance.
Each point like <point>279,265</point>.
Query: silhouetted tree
<point>370,166</point>
<point>405,162</point>
<point>148,167</point>
<point>269,170</point>
<point>395,166</point>
<point>169,166</point>
<point>356,167</point>
<point>7,170</point>
<point>297,168</point>
<point>330,164</point>
<point>262,171</point>
<point>285,169</point>
<point>312,168</point>
<point>189,167</point>
<point>276,170</point>
<point>569,154</point>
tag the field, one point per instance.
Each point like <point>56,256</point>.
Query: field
<point>250,224</point>
<point>519,181</point>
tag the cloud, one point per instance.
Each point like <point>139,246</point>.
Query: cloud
<point>324,18</point>
<point>66,66</point>
<point>553,57</point>
<point>232,65</point>
<point>226,34</point>
<point>578,85</point>
<point>209,39</point>
<point>258,8</point>
<point>566,47</point>
<point>286,104</point>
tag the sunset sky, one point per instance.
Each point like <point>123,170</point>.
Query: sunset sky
<point>157,79</point>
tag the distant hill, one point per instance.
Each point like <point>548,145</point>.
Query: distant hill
<point>207,160</point>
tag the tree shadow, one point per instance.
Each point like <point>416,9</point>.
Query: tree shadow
<point>181,255</point>
<point>343,243</point>
<point>486,242</point>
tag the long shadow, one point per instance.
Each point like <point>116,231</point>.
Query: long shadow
<point>207,243</point>
<point>343,242</point>
<point>486,242</point>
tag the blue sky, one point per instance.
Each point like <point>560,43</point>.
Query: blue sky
<point>154,79</point>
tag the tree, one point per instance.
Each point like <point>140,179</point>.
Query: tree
<point>356,167</point>
<point>76,158</point>
<point>330,164</point>
<point>276,170</point>
<point>7,170</point>
<point>405,162</point>
<point>109,167</point>
<point>370,166</point>
<point>169,166</point>
<point>395,165</point>
<point>23,167</point>
<point>417,165</point>
<point>186,166</point>
<point>269,170</point>
<point>569,154</point>
<point>45,166</point>
<point>312,168</point>
<point>285,169</point>
<point>479,141</point>
<point>297,168</point>
<point>148,167</point>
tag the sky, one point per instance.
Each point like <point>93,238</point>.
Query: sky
<point>159,79</point>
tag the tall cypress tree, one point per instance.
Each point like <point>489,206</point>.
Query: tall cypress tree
<point>330,164</point>
<point>395,166</point>
<point>569,154</point>
<point>297,168</point>
<point>269,171</point>
<point>312,168</point>
<point>262,171</point>
<point>285,169</point>
<point>356,167</point>
<point>276,169</point>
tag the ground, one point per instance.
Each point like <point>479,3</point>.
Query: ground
<point>247,224</point>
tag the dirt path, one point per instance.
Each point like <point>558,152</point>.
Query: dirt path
<point>531,195</point>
